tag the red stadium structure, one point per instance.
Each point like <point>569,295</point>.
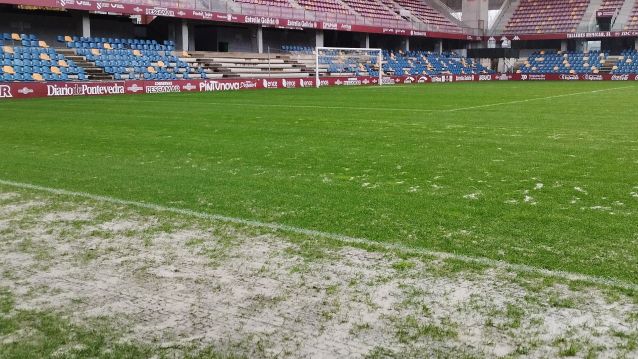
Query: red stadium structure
<point>85,47</point>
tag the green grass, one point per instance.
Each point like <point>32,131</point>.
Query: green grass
<point>410,330</point>
<point>387,175</point>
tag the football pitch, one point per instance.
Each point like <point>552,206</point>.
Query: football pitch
<point>541,174</point>
<point>535,178</point>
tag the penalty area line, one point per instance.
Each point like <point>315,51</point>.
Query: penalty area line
<point>346,240</point>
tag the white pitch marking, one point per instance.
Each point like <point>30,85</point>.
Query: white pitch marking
<point>536,99</point>
<point>392,109</point>
<point>334,236</point>
<point>316,107</point>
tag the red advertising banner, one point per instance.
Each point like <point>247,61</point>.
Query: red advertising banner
<point>582,77</point>
<point>564,36</point>
<point>17,90</point>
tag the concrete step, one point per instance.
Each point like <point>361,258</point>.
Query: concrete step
<point>102,77</point>
<point>93,72</point>
<point>233,60</point>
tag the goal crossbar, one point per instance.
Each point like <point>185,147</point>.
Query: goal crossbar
<point>318,50</point>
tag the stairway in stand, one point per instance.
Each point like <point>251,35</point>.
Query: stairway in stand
<point>93,72</point>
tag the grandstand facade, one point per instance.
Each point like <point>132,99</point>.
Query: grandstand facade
<point>249,40</point>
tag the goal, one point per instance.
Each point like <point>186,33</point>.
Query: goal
<point>343,61</point>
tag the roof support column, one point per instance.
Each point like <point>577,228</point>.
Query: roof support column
<point>476,13</point>
<point>86,25</point>
<point>319,38</point>
<point>185,36</point>
<point>260,39</point>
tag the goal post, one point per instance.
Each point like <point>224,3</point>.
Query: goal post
<point>345,61</point>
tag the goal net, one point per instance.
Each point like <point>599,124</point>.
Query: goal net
<point>340,61</point>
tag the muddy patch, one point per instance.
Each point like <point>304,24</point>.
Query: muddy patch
<point>179,281</point>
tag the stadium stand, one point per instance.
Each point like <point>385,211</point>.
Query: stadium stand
<point>611,5</point>
<point>380,10</point>
<point>394,63</point>
<point>393,6</point>
<point>425,13</point>
<point>429,63</point>
<point>128,59</point>
<point>547,16</point>
<point>98,58</point>
<point>331,6</point>
<point>279,3</point>
<point>627,63</point>
<point>337,62</point>
<point>307,50</point>
<point>372,9</point>
<point>632,22</point>
<point>25,58</point>
<point>247,65</point>
<point>557,62</point>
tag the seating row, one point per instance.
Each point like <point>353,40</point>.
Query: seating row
<point>36,63</point>
<point>421,10</point>
<point>627,63</point>
<point>556,62</point>
<point>547,16</point>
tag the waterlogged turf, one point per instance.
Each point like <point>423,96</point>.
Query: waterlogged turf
<point>473,169</point>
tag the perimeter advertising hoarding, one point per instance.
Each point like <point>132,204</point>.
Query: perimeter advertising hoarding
<point>15,90</point>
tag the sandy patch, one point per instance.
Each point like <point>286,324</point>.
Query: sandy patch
<point>9,196</point>
<point>124,225</point>
<point>265,296</point>
<point>68,216</point>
